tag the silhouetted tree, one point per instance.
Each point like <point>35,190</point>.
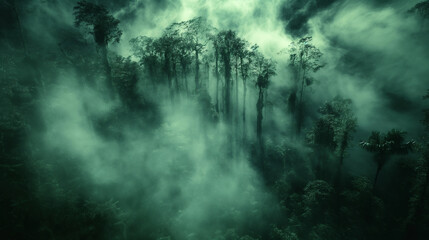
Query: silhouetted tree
<point>246,60</point>
<point>304,58</point>
<point>339,114</point>
<point>225,41</point>
<point>265,69</point>
<point>146,50</point>
<point>385,145</point>
<point>196,33</point>
<point>104,28</point>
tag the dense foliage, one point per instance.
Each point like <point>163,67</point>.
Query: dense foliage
<point>181,139</point>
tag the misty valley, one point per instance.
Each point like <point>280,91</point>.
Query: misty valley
<point>219,119</point>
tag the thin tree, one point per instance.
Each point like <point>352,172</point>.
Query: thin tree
<point>226,40</point>
<point>246,58</point>
<point>265,68</point>
<point>145,49</point>
<point>304,58</point>
<point>339,114</point>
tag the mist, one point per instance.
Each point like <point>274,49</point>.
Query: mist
<point>224,119</point>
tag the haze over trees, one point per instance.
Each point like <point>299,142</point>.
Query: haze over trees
<point>197,130</point>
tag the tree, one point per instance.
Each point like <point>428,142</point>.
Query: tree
<point>339,114</point>
<point>246,58</point>
<point>322,139</point>
<point>304,58</point>
<point>418,205</point>
<point>422,9</point>
<point>104,28</point>
<point>384,146</point>
<point>225,41</point>
<point>196,33</point>
<point>332,132</point>
<point>265,68</point>
<point>185,60</point>
<point>215,41</point>
<point>125,77</point>
<point>146,49</point>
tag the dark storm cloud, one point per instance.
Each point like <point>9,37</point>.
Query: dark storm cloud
<point>296,13</point>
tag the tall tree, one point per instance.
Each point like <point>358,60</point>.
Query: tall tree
<point>332,133</point>
<point>196,32</point>
<point>339,114</point>
<point>246,58</point>
<point>304,58</point>
<point>104,28</point>
<point>265,68</point>
<point>146,49</point>
<point>226,43</point>
<point>384,146</point>
<point>215,41</point>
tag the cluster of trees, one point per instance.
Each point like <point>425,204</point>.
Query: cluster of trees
<point>316,197</point>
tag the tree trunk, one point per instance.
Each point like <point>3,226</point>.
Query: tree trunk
<point>217,81</point>
<point>185,78</point>
<point>243,76</point>
<point>259,117</point>
<point>236,110</point>
<point>18,21</point>
<point>343,146</point>
<point>228,89</point>
<point>107,69</point>
<point>168,72</point>
<point>176,78</point>
<point>300,116</point>
<point>379,166</point>
<point>228,118</point>
<point>244,109</point>
<point>197,70</point>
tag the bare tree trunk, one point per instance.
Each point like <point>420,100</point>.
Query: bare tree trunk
<point>236,110</point>
<point>107,69</point>
<point>167,71</point>
<point>197,70</point>
<point>185,78</point>
<point>176,78</point>
<point>244,109</point>
<point>228,89</point>
<point>377,173</point>
<point>343,146</point>
<point>217,82</point>
<point>259,117</point>
<point>300,116</point>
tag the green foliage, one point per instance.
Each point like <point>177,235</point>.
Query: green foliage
<point>421,8</point>
<point>390,143</point>
<point>104,26</point>
<point>178,181</point>
<point>266,68</point>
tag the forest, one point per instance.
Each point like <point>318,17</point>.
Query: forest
<point>218,119</point>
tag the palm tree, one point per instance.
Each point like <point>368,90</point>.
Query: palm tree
<point>385,145</point>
